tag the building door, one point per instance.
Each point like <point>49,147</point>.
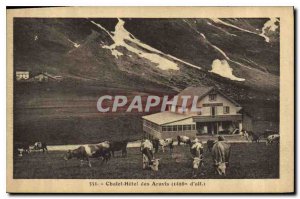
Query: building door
<point>212,128</point>
<point>213,111</point>
<point>209,129</point>
<point>215,127</point>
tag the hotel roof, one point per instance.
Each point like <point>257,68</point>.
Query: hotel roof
<point>200,91</point>
<point>166,117</point>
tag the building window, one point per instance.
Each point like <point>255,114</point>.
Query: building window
<point>164,128</point>
<point>179,127</point>
<point>212,97</point>
<point>174,128</point>
<point>226,109</point>
<point>186,127</point>
<point>169,128</point>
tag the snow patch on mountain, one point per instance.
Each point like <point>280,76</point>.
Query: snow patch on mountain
<point>221,51</point>
<point>225,55</point>
<point>76,45</point>
<point>270,25</point>
<point>222,68</point>
<point>121,35</point>
<point>217,20</point>
<point>221,29</point>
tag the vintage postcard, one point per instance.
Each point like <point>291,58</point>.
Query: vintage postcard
<point>150,100</point>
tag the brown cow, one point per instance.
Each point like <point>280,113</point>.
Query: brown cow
<point>221,154</point>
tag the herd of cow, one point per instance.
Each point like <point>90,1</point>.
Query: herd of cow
<point>270,137</point>
<point>220,152</point>
<point>21,149</point>
<point>219,149</point>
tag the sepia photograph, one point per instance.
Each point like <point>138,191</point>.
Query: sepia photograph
<point>171,101</point>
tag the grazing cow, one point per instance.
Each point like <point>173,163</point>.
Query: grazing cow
<point>184,140</point>
<point>119,146</point>
<point>148,158</point>
<point>197,155</point>
<point>168,142</point>
<point>273,138</point>
<point>210,144</point>
<point>221,154</point>
<point>86,152</point>
<point>40,146</point>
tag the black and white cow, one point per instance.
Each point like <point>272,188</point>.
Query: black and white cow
<point>148,158</point>
<point>21,149</point>
<point>197,155</point>
<point>183,139</point>
<point>157,143</point>
<point>85,152</point>
<point>250,136</point>
<point>39,146</point>
<point>273,139</point>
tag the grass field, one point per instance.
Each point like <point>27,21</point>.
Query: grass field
<point>248,160</point>
<point>67,114</point>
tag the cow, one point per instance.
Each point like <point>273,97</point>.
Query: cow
<point>118,146</point>
<point>267,133</point>
<point>221,138</point>
<point>221,154</point>
<point>184,140</point>
<point>197,155</point>
<point>210,143</point>
<point>273,138</point>
<point>245,134</point>
<point>40,146</point>
<point>155,143</point>
<point>148,158</point>
<point>250,136</point>
<point>255,138</point>
<point>85,152</point>
<point>168,142</point>
<point>21,149</point>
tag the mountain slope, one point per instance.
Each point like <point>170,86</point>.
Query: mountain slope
<point>241,56</point>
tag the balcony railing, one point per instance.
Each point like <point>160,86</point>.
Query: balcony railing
<point>217,118</point>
